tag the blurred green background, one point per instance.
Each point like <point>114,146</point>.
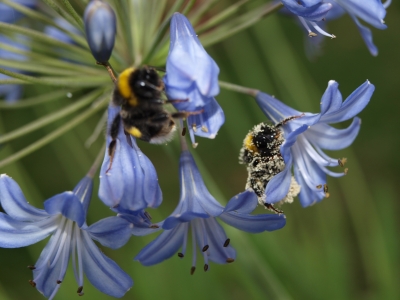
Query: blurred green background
<point>346,247</point>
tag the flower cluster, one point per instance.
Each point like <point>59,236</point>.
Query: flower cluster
<point>159,79</point>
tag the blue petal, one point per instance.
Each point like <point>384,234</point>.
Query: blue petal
<point>11,15</point>
<point>195,199</point>
<point>102,272</point>
<point>274,109</point>
<point>370,11</point>
<point>111,232</point>
<point>332,98</point>
<point>132,182</point>
<point>164,246</point>
<point>278,187</point>
<point>254,223</point>
<point>83,191</point>
<point>14,203</point>
<point>60,35</point>
<point>209,122</point>
<point>327,137</point>
<point>188,61</point>
<point>193,99</point>
<point>140,222</point>
<point>68,205</point>
<point>307,196</point>
<point>354,104</point>
<point>366,34</point>
<point>312,13</point>
<point>216,238</point>
<point>15,234</point>
<point>242,203</point>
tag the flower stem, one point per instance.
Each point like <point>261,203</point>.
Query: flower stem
<point>238,88</point>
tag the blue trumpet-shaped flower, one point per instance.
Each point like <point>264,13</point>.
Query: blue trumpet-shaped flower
<point>64,219</point>
<point>196,212</point>
<point>10,15</point>
<point>192,76</point>
<point>100,27</point>
<point>307,135</point>
<point>130,183</point>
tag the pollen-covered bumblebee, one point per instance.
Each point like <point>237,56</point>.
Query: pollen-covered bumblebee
<point>138,92</point>
<point>261,153</point>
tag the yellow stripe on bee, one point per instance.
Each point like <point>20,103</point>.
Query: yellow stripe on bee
<point>248,143</point>
<point>123,83</point>
<point>135,132</point>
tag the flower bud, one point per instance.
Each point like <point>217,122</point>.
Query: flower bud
<point>100,27</point>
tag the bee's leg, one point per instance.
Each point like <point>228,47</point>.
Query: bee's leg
<point>269,206</point>
<point>185,114</point>
<point>113,144</point>
<point>284,121</point>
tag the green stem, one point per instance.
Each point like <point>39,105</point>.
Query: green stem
<point>54,116</point>
<point>73,13</point>
<point>238,88</point>
<point>56,133</point>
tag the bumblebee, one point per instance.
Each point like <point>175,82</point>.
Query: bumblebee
<point>138,92</point>
<point>261,153</point>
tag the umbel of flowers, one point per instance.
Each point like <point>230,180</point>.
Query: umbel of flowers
<point>128,179</point>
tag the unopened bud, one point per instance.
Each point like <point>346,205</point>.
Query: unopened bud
<point>100,27</point>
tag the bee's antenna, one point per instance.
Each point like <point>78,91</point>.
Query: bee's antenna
<point>109,69</point>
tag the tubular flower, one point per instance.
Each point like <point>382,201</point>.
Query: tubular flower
<point>63,218</point>
<point>309,12</point>
<point>129,182</point>
<point>192,78</point>
<point>101,27</point>
<point>305,137</point>
<point>197,210</point>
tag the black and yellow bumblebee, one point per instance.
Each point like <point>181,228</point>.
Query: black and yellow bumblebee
<point>261,153</point>
<point>139,93</point>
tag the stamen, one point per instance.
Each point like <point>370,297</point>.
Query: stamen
<point>321,31</point>
<point>59,281</point>
<point>204,128</point>
<point>184,131</point>
<point>32,283</point>
<point>192,269</point>
<point>205,267</point>
<point>31,267</point>
<point>326,191</point>
<point>226,244</point>
<point>80,289</point>
<point>180,255</point>
<point>194,127</point>
<point>345,171</point>
<point>154,226</point>
<point>319,186</point>
<point>310,33</point>
<point>205,248</point>
<point>230,260</point>
<point>342,161</point>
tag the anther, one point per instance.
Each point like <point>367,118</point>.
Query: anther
<point>58,281</point>
<point>183,131</point>
<point>31,267</point>
<point>230,260</point>
<point>205,248</point>
<point>192,269</point>
<point>312,34</point>
<point>194,127</point>
<point>342,161</point>
<point>80,291</point>
<point>325,188</point>
<point>180,255</point>
<point>204,128</point>
<point>345,171</point>
<point>32,283</point>
<point>226,244</point>
<point>205,267</point>
<point>154,226</point>
<point>319,186</point>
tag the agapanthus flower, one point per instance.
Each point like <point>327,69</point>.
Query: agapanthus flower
<point>197,210</point>
<point>309,12</point>
<point>100,27</point>
<point>60,35</point>
<point>307,135</point>
<point>63,218</point>
<point>130,182</point>
<point>192,76</point>
<point>10,15</point>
